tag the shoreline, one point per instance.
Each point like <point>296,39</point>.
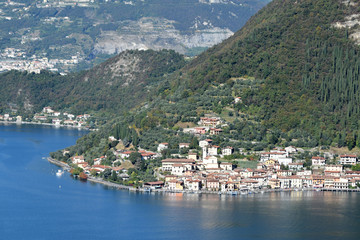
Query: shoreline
<point>45,124</point>
<point>117,186</point>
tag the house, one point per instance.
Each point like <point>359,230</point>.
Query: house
<point>40,118</point>
<point>250,183</point>
<point>184,145</point>
<point>112,139</point>
<point>275,155</point>
<point>192,155</point>
<point>126,154</point>
<point>227,151</point>
<point>283,173</point>
<point>237,100</point>
<point>200,130</point>
<point>167,164</point>
<point>270,162</point>
<point>303,173</point>
<point>318,161</point>
<point>178,169</point>
<point>226,166</point>
<point>332,173</point>
<point>47,110</point>
<point>153,185</point>
<point>341,183</point>
<point>83,165</point>
<point>209,121</point>
<point>348,159</point>
<point>117,169</point>
<point>295,166</point>
<point>100,168</point>
<point>56,121</point>
<point>210,162</point>
<point>213,185</point>
<point>205,143</point>
<point>162,146</point>
<point>291,149</point>
<point>329,182</point>
<point>78,159</point>
<point>213,150</point>
<point>18,119</point>
<point>337,167</point>
<point>274,183</point>
<point>215,131</point>
<point>169,178</point>
<point>69,122</point>
<point>176,185</point>
<point>147,155</point>
<point>194,185</point>
<point>71,116</point>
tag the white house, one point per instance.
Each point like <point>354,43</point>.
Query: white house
<point>205,143</point>
<point>211,162</point>
<point>318,161</point>
<point>162,146</point>
<point>227,151</point>
<point>226,166</point>
<point>213,150</point>
<point>167,164</point>
<point>184,145</point>
<point>348,159</point>
<point>78,159</point>
<point>291,149</point>
<point>295,166</point>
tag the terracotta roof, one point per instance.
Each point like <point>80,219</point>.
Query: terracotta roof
<point>352,156</point>
<point>180,160</point>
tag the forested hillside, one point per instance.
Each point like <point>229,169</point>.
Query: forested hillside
<point>114,86</point>
<point>310,68</point>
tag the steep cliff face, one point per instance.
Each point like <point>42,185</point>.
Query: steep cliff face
<point>157,33</point>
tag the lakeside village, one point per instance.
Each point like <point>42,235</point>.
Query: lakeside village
<point>206,169</point>
<point>48,116</point>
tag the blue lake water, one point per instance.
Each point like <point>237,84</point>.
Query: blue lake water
<point>35,204</point>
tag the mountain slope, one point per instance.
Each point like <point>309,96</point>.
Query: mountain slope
<point>116,85</point>
<point>302,57</point>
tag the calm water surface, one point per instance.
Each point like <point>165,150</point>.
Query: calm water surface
<point>35,204</point>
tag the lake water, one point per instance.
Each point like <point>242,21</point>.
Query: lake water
<point>35,204</point>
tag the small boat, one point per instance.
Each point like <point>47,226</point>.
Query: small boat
<point>59,173</point>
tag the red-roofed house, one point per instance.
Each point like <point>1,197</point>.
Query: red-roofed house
<point>348,159</point>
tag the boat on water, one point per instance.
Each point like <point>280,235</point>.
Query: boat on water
<point>59,172</point>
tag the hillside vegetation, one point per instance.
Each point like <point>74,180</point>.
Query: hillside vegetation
<point>114,86</point>
<point>310,69</point>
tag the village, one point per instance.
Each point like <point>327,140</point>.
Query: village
<point>206,169</point>
<point>48,116</point>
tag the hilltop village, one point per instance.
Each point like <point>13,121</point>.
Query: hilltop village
<point>211,168</point>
